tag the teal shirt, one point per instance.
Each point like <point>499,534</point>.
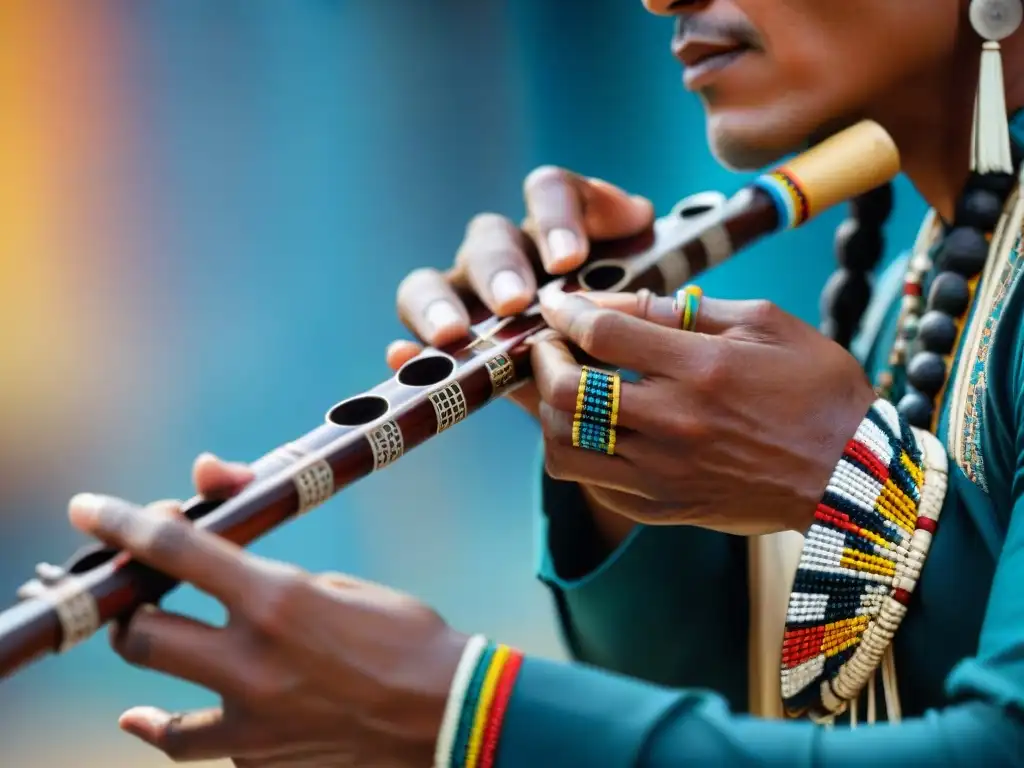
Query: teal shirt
<point>665,619</point>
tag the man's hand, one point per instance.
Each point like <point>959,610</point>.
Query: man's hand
<point>736,427</point>
<point>313,671</point>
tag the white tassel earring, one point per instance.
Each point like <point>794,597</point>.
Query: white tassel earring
<point>994,20</point>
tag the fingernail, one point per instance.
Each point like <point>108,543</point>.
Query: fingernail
<point>442,316</point>
<point>85,508</point>
<point>144,722</point>
<point>563,246</point>
<point>207,456</point>
<point>552,299</point>
<point>507,287</point>
<point>151,715</point>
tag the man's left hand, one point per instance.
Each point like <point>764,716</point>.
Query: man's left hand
<point>735,426</point>
<point>317,671</point>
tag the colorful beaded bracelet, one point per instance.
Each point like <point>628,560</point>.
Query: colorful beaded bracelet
<point>861,561</point>
<point>477,701</point>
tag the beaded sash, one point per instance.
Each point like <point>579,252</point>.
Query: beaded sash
<point>860,562</point>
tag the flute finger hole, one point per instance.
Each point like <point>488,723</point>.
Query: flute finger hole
<point>602,276</point>
<point>359,410</point>
<point>426,371</point>
<point>697,205</point>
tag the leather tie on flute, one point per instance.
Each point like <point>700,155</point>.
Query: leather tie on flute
<point>65,605</point>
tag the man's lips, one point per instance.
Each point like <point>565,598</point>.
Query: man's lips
<point>704,57</point>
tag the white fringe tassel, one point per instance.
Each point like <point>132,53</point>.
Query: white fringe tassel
<point>991,124</point>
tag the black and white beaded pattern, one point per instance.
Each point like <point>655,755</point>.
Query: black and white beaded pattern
<point>387,444</point>
<point>449,405</point>
<point>314,484</point>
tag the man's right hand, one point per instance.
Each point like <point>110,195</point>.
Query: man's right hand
<point>499,261</point>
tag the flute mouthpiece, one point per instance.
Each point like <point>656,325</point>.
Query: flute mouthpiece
<point>848,164</point>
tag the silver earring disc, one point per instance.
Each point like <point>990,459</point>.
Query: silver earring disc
<point>996,19</point>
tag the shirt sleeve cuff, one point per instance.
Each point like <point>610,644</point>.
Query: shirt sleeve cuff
<point>568,552</point>
<point>577,717</point>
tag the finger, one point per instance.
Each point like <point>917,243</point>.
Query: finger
<point>619,339</point>
<point>334,579</point>
<point>401,352</point>
<point>610,213</point>
<point>577,465</point>
<point>168,543</point>
<point>218,479</point>
<point>495,261</point>
<point>645,305</point>
<point>714,316</point>
<point>430,308</point>
<point>187,737</point>
<point>556,427</point>
<point>557,376</point>
<point>177,646</point>
<point>565,212</point>
<point>633,507</point>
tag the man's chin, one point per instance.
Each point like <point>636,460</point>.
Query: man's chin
<point>750,145</point>
<point>738,155</point>
<point>742,150</point>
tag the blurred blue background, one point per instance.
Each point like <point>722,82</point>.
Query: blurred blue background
<point>205,208</point>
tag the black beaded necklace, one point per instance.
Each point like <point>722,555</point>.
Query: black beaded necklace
<point>859,245</point>
<point>960,258</point>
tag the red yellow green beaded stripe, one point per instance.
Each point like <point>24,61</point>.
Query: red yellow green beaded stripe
<point>477,703</point>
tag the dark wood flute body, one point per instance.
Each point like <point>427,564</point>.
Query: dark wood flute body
<point>366,433</point>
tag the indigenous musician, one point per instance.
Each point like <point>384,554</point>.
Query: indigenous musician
<point>659,494</point>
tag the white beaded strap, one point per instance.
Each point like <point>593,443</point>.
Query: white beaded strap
<point>456,696</point>
<point>877,639</point>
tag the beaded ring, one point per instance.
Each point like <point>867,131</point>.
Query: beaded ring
<point>597,411</point>
<point>687,304</point>
<point>861,561</point>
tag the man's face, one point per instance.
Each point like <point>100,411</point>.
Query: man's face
<point>774,73</point>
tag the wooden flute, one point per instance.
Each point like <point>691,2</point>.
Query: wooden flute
<point>65,605</point>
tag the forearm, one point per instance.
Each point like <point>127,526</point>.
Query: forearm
<point>669,604</point>
<point>573,716</point>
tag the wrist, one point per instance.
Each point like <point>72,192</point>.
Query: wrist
<point>829,454</point>
<point>481,687</point>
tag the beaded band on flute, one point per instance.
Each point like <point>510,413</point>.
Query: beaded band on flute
<point>65,605</point>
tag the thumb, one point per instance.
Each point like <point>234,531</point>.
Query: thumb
<point>215,478</point>
<point>198,735</point>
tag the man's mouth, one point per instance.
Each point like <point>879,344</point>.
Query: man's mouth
<point>704,58</point>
